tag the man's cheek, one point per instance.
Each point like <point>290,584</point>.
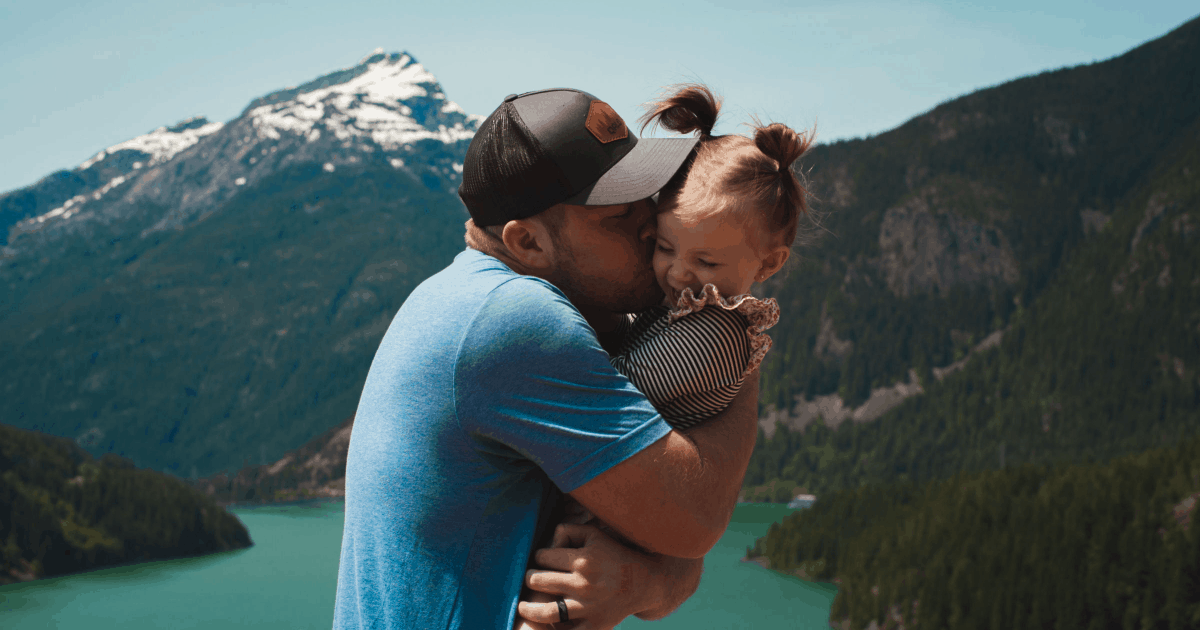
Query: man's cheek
<point>627,579</point>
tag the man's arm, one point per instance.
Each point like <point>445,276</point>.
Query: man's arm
<point>676,496</point>
<point>676,579</point>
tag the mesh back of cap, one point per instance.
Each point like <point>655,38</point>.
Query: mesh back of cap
<point>506,173</point>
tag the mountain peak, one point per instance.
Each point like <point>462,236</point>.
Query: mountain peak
<point>374,56</point>
<point>389,99</point>
<point>388,109</point>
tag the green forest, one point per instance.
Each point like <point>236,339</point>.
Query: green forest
<point>1018,164</point>
<point>1092,546</point>
<point>1103,360</point>
<point>62,511</point>
<point>1051,483</point>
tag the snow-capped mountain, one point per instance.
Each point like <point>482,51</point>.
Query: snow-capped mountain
<point>386,109</point>
<point>210,293</point>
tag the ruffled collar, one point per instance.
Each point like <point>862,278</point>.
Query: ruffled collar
<point>761,314</point>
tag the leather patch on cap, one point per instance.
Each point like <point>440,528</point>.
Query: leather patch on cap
<point>604,123</point>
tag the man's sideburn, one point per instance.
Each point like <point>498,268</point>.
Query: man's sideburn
<point>628,296</point>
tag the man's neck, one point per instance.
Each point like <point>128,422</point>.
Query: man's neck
<point>605,323</point>
<point>483,241</point>
<point>607,326</point>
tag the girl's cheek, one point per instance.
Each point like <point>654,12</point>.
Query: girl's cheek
<point>660,264</point>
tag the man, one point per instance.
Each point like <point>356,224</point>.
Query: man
<point>491,393</point>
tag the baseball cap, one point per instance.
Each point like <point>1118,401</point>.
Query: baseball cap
<point>556,146</point>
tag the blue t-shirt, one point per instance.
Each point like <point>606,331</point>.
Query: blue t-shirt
<point>488,395</point>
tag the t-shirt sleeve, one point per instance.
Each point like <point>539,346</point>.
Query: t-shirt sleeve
<point>532,378</point>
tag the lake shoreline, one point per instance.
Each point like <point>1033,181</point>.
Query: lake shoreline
<point>28,577</point>
<point>289,580</point>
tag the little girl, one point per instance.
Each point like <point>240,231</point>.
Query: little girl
<point>727,221</point>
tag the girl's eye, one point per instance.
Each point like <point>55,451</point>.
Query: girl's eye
<point>705,263</point>
<point>663,248</point>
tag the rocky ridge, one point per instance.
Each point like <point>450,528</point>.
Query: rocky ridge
<point>388,109</point>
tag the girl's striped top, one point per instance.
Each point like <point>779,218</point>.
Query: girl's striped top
<point>690,361</point>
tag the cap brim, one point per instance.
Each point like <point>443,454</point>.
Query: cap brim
<point>641,173</point>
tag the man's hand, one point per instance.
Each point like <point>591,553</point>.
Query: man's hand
<point>602,581</point>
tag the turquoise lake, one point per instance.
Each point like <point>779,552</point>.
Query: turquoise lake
<point>288,578</point>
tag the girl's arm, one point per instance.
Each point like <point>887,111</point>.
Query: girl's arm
<point>690,369</point>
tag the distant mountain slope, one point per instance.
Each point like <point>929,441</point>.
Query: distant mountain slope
<point>57,194</point>
<point>937,230</point>
<point>61,511</point>
<point>1105,362</point>
<point>218,300</point>
<point>1101,362</point>
<point>316,470</point>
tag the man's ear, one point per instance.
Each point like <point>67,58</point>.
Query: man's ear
<point>773,262</point>
<point>528,242</point>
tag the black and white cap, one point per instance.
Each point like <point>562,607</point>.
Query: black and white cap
<point>556,146</point>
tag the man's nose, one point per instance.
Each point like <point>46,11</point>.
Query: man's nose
<point>649,229</point>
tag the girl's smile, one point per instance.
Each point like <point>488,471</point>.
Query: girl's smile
<point>692,252</point>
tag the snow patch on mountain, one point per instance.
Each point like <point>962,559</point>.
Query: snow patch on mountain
<point>368,105</point>
<point>163,143</point>
<point>72,205</point>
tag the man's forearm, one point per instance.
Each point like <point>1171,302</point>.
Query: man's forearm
<point>676,579</point>
<point>677,495</point>
<point>724,445</point>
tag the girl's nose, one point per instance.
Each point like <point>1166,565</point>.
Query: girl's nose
<point>679,275</point>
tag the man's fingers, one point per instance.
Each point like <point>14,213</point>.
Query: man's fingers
<point>565,560</point>
<point>554,582</point>
<point>572,535</point>
<point>547,613</point>
<point>556,559</point>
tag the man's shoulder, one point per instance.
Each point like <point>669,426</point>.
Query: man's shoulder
<point>481,272</point>
<point>526,308</point>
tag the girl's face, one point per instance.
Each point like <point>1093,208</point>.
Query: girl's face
<point>691,253</point>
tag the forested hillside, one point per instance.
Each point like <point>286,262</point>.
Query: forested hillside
<point>316,470</point>
<point>935,232</point>
<point>1034,546</point>
<point>62,511</point>
<point>1100,349</point>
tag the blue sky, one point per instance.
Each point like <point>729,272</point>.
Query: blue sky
<point>80,76</point>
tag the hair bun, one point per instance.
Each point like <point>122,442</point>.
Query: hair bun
<point>781,143</point>
<point>692,107</point>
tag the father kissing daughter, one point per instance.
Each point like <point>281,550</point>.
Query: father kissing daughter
<point>726,221</point>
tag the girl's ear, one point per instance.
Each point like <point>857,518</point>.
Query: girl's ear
<point>772,263</point>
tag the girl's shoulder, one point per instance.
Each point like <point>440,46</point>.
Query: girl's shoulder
<point>753,315</point>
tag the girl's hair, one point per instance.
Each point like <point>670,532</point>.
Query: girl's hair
<point>753,178</point>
